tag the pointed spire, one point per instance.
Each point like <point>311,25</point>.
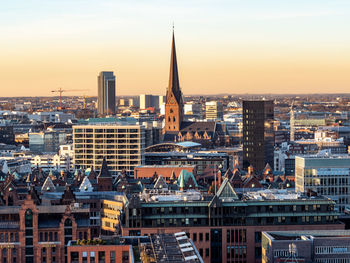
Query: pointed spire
<point>104,172</point>
<point>174,84</point>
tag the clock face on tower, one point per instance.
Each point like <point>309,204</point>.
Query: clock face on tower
<point>172,101</point>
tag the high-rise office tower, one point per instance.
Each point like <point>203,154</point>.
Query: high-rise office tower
<point>258,134</point>
<point>106,93</point>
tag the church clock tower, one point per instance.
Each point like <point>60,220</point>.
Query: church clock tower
<point>174,108</point>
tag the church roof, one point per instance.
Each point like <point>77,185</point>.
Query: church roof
<point>200,126</point>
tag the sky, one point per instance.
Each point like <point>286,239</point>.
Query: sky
<point>223,46</point>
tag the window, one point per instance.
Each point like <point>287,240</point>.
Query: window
<point>206,236</point>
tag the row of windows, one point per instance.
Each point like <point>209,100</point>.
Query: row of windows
<point>332,250</point>
<point>236,252</point>
<point>9,237</point>
<point>200,237</point>
<point>78,130</point>
<point>236,235</point>
<point>48,236</point>
<point>284,253</point>
<point>333,260</point>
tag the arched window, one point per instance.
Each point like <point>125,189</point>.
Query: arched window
<point>173,119</point>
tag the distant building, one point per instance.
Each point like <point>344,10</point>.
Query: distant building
<point>7,135</point>
<point>193,109</point>
<point>106,93</point>
<point>122,145</point>
<point>47,141</point>
<point>258,134</point>
<point>327,175</point>
<point>53,162</point>
<point>51,116</point>
<point>148,101</point>
<point>214,110</point>
<point>306,246</point>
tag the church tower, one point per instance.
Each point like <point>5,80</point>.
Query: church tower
<point>174,108</point>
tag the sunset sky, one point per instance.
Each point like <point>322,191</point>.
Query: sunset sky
<point>223,46</point>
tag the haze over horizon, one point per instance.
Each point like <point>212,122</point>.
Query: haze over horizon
<point>230,46</point>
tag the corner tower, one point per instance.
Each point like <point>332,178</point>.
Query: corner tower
<point>174,109</point>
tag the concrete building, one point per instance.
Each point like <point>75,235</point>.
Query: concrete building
<point>53,162</point>
<point>122,145</point>
<point>106,93</point>
<point>258,134</point>
<point>331,246</point>
<point>325,175</point>
<point>214,110</point>
<point>226,227</point>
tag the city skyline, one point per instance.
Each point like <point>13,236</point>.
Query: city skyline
<point>239,46</point>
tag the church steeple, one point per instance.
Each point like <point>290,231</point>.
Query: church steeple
<point>174,101</point>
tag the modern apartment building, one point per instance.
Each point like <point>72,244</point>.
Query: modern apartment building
<point>106,93</point>
<point>214,110</point>
<point>258,134</point>
<point>327,175</point>
<point>122,145</point>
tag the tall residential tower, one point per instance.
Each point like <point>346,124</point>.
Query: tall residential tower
<point>106,93</point>
<point>258,134</point>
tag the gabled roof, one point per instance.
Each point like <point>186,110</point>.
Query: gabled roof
<point>226,190</point>
<point>228,173</point>
<point>236,177</point>
<point>160,183</point>
<point>86,185</point>
<point>184,177</point>
<point>48,185</point>
<point>104,172</point>
<point>267,168</point>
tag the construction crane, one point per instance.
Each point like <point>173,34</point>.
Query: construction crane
<point>60,91</point>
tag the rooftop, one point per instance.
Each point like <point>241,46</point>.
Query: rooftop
<point>306,235</point>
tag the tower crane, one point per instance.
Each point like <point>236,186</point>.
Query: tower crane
<point>60,91</point>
